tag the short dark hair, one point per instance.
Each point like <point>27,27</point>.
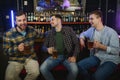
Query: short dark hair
<point>19,13</point>
<point>57,16</point>
<point>98,13</point>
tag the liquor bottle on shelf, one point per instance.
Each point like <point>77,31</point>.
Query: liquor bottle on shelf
<point>34,17</point>
<point>31,17</point>
<point>41,18</point>
<point>75,19</point>
<point>28,16</point>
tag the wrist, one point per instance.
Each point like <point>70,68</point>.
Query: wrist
<point>103,47</point>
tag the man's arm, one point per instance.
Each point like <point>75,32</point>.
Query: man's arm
<point>9,49</point>
<point>75,42</point>
<point>46,42</point>
<point>114,45</point>
<point>86,34</point>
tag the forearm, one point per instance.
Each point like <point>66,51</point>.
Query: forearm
<point>103,47</point>
<point>109,49</point>
<point>10,51</point>
<point>77,48</point>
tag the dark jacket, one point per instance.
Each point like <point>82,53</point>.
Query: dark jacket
<point>70,39</point>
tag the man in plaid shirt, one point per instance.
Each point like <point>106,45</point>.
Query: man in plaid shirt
<point>18,45</point>
<point>64,40</point>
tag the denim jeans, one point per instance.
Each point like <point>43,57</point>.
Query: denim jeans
<point>103,71</point>
<point>50,63</point>
<point>14,68</point>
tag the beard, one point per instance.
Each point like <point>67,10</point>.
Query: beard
<point>22,27</point>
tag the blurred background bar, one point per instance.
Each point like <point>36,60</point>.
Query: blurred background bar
<point>76,10</point>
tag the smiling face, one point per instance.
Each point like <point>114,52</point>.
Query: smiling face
<point>21,21</point>
<point>94,20</point>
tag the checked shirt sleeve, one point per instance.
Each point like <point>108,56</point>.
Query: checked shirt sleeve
<point>9,49</point>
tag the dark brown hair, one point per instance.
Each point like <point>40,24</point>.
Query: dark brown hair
<point>57,16</point>
<point>98,13</point>
<point>19,13</point>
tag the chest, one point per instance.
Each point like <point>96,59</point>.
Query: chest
<point>18,38</point>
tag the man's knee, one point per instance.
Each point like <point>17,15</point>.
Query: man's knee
<point>35,74</point>
<point>9,77</point>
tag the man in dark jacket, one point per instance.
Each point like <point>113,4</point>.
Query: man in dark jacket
<point>64,40</point>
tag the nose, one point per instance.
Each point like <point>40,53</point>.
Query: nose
<point>22,22</point>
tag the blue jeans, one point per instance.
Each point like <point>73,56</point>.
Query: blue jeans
<point>103,71</point>
<point>50,63</point>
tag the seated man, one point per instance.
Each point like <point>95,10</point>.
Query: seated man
<point>64,40</point>
<point>104,51</point>
<point>18,45</point>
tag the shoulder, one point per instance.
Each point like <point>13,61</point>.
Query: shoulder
<point>48,33</point>
<point>10,32</point>
<point>66,28</point>
<point>30,28</point>
<point>90,30</point>
<point>109,29</point>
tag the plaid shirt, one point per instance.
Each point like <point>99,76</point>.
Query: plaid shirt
<point>70,40</point>
<point>13,38</point>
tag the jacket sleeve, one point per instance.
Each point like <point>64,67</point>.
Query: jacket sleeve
<point>87,34</point>
<point>114,45</point>
<point>76,44</point>
<point>46,42</point>
<point>9,49</point>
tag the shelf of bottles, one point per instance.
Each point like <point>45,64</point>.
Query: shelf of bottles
<point>68,16</point>
<point>75,19</point>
